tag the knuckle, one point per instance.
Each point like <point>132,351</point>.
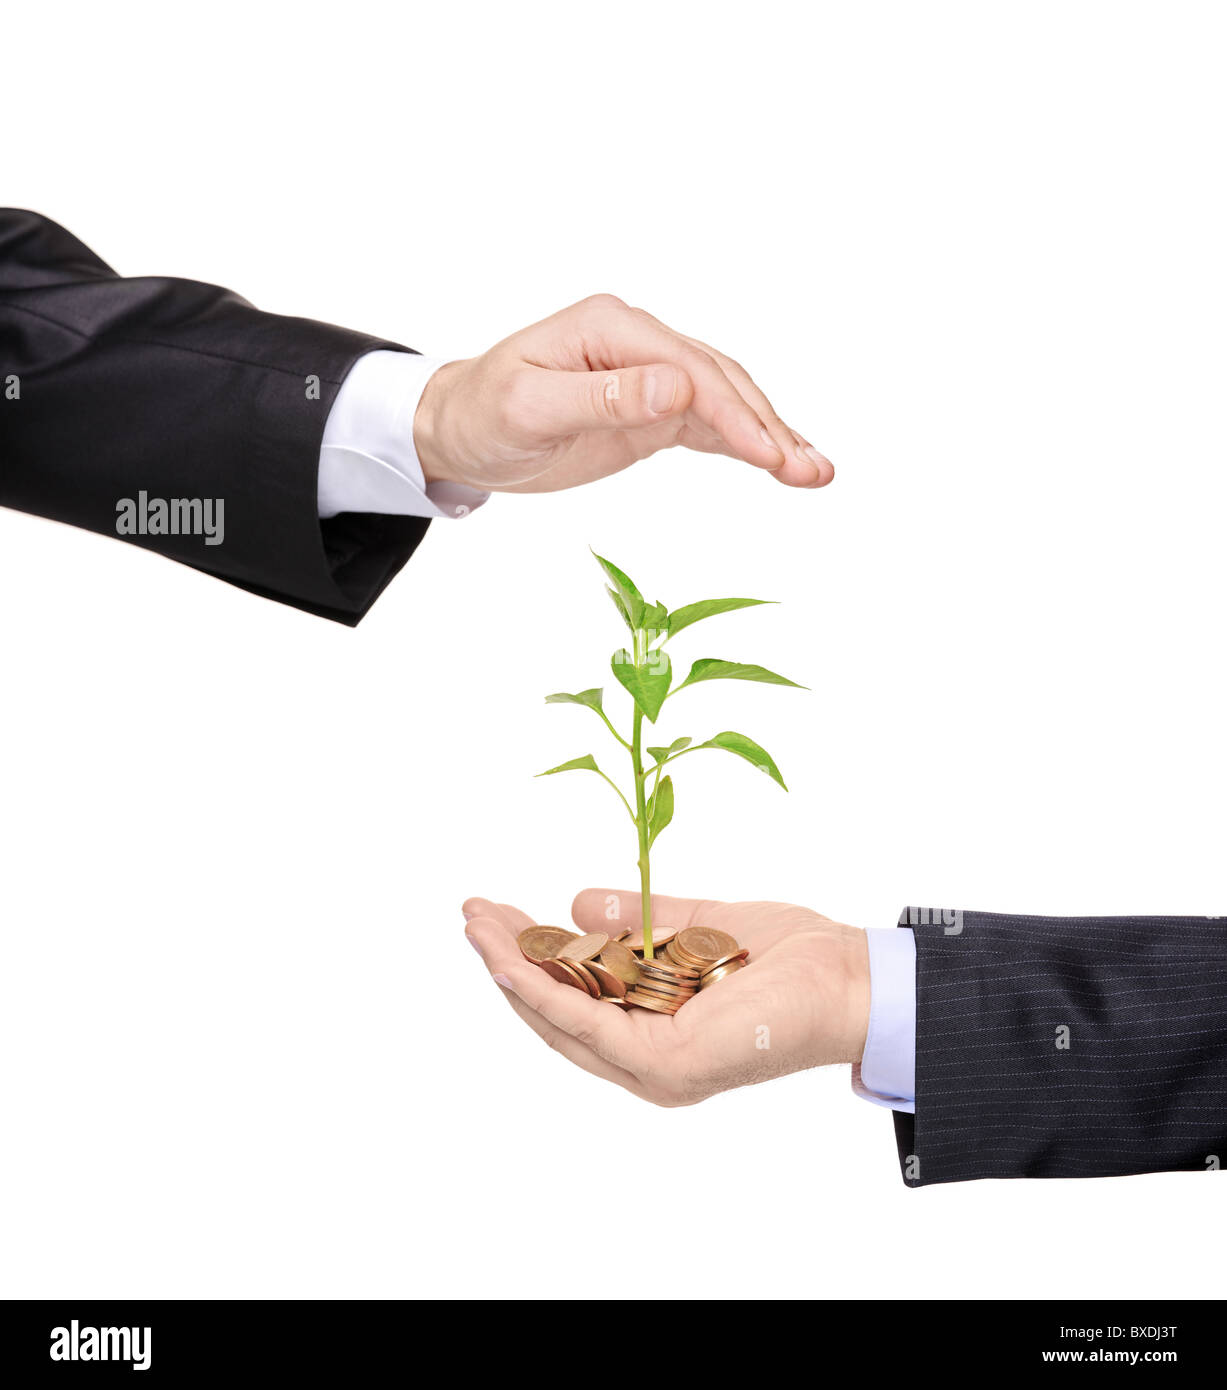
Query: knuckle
<point>604,303</point>
<point>698,357</point>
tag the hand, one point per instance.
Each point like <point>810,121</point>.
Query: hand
<point>802,1001</point>
<point>590,391</point>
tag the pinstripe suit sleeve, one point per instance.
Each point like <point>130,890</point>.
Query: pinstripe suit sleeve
<point>1066,1047</point>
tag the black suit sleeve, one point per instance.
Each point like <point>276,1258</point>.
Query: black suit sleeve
<point>112,386</point>
<point>1059,1047</point>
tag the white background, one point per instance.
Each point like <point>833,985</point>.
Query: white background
<point>976,253</point>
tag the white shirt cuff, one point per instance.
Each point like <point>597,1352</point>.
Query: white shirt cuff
<point>887,1073</point>
<point>368,460</point>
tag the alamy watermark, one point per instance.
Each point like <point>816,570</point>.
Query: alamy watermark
<point>77,1343</point>
<point>950,919</point>
<point>176,516</point>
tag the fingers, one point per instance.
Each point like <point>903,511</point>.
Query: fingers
<point>502,957</point>
<point>727,402</point>
<point>803,465</point>
<point>551,404</point>
<point>603,1028</point>
<point>614,336</point>
<point>511,917</point>
<point>495,943</point>
<point>596,1025</point>
<point>570,1048</point>
<point>599,909</point>
<point>599,1027</point>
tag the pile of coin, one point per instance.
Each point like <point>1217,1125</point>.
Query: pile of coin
<point>612,967</point>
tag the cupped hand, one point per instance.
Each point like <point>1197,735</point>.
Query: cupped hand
<point>803,1000</point>
<point>590,391</point>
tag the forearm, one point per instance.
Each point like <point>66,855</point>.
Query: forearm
<point>180,390</point>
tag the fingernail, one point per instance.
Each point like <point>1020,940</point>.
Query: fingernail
<point>472,942</point>
<point>468,916</point>
<point>661,390</point>
<point>814,457</point>
<point>770,443</point>
<point>505,982</point>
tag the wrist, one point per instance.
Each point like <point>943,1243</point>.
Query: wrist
<point>854,968</point>
<point>430,425</point>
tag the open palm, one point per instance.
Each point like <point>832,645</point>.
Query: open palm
<point>802,1001</point>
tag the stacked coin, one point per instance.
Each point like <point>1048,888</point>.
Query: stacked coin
<point>713,954</point>
<point>723,968</point>
<point>663,985</point>
<point>612,968</point>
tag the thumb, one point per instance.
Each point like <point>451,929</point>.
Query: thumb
<point>627,398</point>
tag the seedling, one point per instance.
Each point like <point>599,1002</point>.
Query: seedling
<point>646,673</point>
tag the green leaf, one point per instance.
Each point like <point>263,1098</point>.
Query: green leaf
<point>629,598</point>
<point>660,754</point>
<point>749,750</point>
<point>708,608</point>
<point>656,621</point>
<point>585,764</point>
<point>618,604</point>
<point>648,685</point>
<point>591,698</point>
<point>660,810</point>
<point>709,669</point>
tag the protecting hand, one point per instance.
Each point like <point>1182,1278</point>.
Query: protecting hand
<point>590,391</point>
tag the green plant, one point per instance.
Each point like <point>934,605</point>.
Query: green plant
<point>646,673</point>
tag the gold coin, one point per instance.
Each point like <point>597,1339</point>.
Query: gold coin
<point>620,935</point>
<point>613,999</point>
<point>678,954</point>
<point>728,968</point>
<point>608,981</point>
<point>673,953</point>
<point>661,936</point>
<point>620,962</point>
<point>644,1001</point>
<point>664,990</point>
<point>586,975</point>
<point>713,977</point>
<point>672,991</point>
<point>705,944</point>
<point>562,972</point>
<point>670,973</point>
<point>668,970</point>
<point>544,943</point>
<point>742,955</point>
<point>584,947</point>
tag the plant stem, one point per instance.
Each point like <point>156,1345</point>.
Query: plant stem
<point>641,821</point>
<point>641,818</point>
